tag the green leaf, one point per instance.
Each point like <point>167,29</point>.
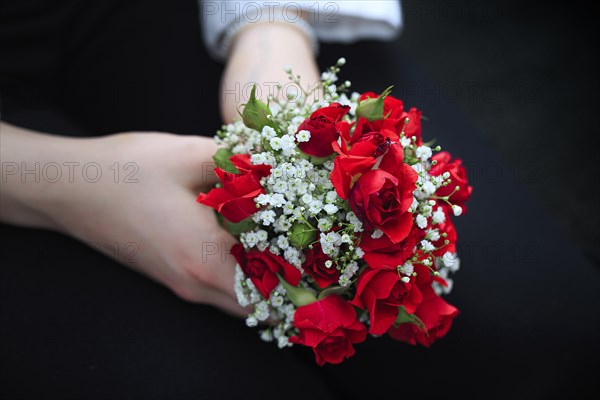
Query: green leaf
<point>430,143</point>
<point>333,290</point>
<point>372,109</point>
<point>406,318</point>
<point>222,160</point>
<point>300,297</point>
<point>236,228</point>
<point>315,160</point>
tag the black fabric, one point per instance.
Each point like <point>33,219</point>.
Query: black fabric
<point>75,324</point>
<point>111,66</point>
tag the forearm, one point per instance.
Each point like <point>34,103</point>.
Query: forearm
<point>258,55</point>
<point>27,157</point>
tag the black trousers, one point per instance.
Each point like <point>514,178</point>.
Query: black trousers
<point>75,324</point>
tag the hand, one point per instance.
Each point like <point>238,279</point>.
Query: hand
<point>179,242</point>
<point>159,227</point>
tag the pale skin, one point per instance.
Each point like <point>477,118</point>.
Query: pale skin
<point>179,242</point>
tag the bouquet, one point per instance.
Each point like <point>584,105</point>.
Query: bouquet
<point>343,214</point>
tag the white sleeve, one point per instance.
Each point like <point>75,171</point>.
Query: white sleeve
<point>344,21</point>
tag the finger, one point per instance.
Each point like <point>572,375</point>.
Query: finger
<point>226,303</point>
<point>199,168</point>
<point>195,292</point>
<point>218,262</point>
<point>210,259</point>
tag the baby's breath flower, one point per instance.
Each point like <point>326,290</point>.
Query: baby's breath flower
<point>407,268</point>
<point>330,209</point>
<point>421,221</point>
<point>457,210</point>
<point>377,234</point>
<point>438,216</point>
<point>303,136</point>
<point>324,224</point>
<point>427,246</point>
<point>423,152</point>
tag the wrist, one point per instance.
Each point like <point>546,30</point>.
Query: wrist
<point>289,20</point>
<point>258,56</point>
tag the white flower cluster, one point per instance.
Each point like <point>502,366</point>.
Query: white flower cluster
<point>278,309</point>
<point>298,191</point>
<point>237,137</point>
<point>448,263</point>
<point>428,214</point>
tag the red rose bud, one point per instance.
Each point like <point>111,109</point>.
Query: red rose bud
<point>348,166</point>
<point>383,253</point>
<point>435,318</point>
<point>413,127</point>
<point>393,122</point>
<point>257,114</point>
<point>316,266</point>
<point>381,197</point>
<point>323,128</point>
<point>235,199</point>
<point>458,179</point>
<point>264,267</point>
<point>372,108</point>
<point>331,327</point>
<point>381,292</point>
<point>393,108</point>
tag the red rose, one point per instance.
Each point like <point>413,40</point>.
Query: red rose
<point>315,267</point>
<point>436,315</point>
<point>413,128</point>
<point>235,199</point>
<point>393,108</point>
<point>262,268</point>
<point>330,326</point>
<point>323,128</point>
<point>394,118</point>
<point>349,165</point>
<point>344,129</point>
<point>382,252</point>
<point>458,176</point>
<point>386,127</point>
<point>381,198</point>
<point>381,292</point>
<point>365,131</point>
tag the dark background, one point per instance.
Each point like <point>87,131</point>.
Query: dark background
<point>526,74</point>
